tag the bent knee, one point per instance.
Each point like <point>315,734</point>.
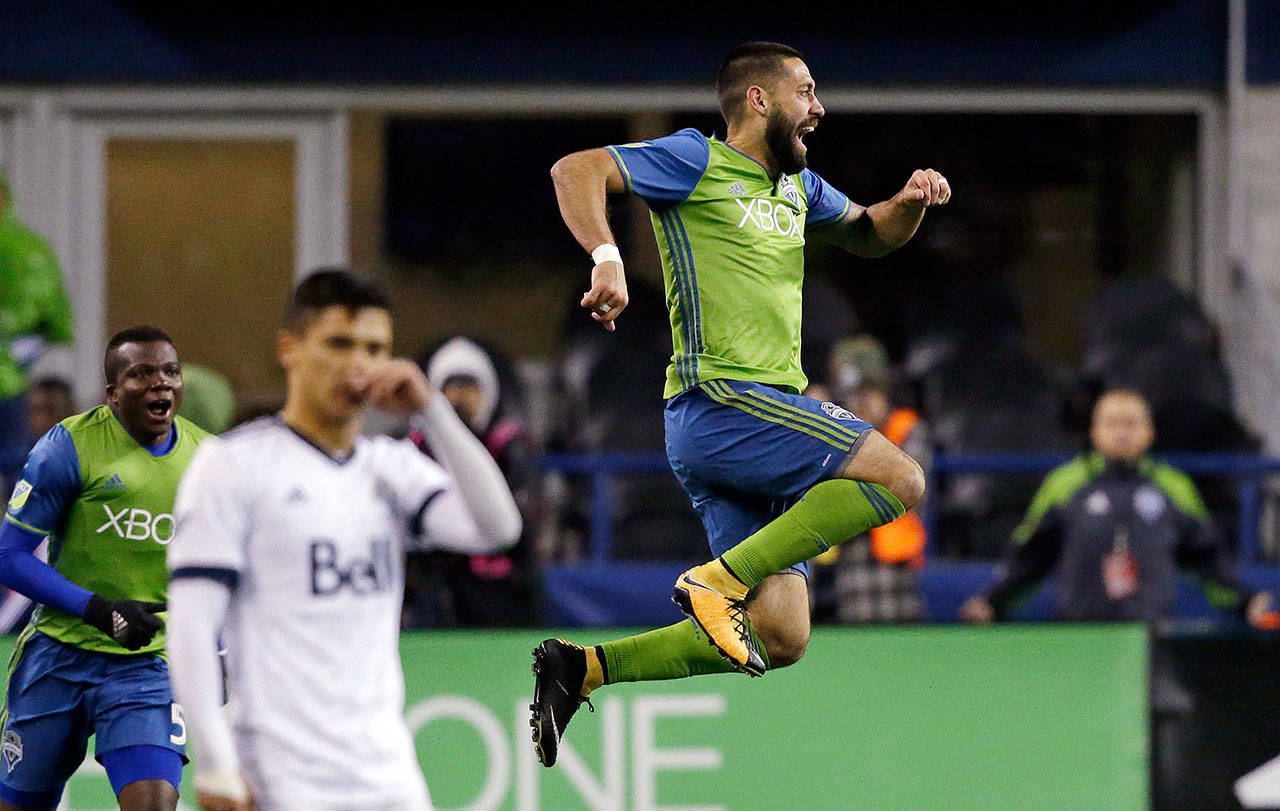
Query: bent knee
<point>786,650</point>
<point>910,490</point>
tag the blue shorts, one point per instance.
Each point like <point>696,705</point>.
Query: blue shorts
<point>745,452</point>
<point>59,695</point>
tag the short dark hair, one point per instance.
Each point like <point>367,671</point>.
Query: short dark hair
<point>331,287</point>
<point>52,383</point>
<point>112,365</point>
<point>745,65</point>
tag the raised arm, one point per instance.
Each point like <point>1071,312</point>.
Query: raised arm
<point>888,225</point>
<point>582,180</point>
<point>477,514</point>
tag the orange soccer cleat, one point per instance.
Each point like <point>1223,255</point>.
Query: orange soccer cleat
<point>716,601</point>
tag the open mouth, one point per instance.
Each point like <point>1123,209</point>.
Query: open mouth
<point>160,408</point>
<point>805,130</point>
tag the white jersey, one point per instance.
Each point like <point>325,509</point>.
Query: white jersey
<point>315,547</point>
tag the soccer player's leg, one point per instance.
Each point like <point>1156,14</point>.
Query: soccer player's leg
<point>779,612</point>
<point>715,603</point>
<point>141,734</point>
<point>45,731</point>
<point>565,673</point>
<point>799,446</point>
<point>133,772</point>
<point>560,686</point>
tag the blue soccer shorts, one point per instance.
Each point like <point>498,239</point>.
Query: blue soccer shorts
<point>59,695</point>
<point>745,452</point>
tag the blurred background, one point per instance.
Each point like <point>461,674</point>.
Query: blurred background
<point>1116,223</point>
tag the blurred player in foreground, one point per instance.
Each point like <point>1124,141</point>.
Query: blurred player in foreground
<point>776,477</point>
<point>291,538</point>
<point>101,486</point>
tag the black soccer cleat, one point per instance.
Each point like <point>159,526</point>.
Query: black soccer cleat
<point>559,670</point>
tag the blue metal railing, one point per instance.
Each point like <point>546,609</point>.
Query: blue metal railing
<point>1249,470</point>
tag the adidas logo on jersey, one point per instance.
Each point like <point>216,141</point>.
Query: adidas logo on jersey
<point>114,483</point>
<point>737,190</point>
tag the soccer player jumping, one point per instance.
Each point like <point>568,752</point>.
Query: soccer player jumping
<point>775,476</point>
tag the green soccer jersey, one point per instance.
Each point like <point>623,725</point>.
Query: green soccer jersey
<point>106,504</point>
<point>732,245</point>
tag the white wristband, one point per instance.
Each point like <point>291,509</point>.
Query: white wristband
<point>607,252</point>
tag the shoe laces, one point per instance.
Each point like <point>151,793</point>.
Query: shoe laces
<point>738,616</point>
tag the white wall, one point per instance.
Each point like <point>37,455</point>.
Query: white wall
<point>1252,326</point>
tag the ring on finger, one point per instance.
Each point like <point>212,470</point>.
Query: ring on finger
<point>604,308</point>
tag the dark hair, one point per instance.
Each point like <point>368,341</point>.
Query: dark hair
<point>745,65</point>
<point>111,363</point>
<point>53,384</point>
<point>331,287</point>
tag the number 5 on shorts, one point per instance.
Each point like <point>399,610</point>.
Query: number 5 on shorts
<point>178,738</point>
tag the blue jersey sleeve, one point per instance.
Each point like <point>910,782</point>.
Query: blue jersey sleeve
<point>664,171</point>
<point>827,204</point>
<point>50,482</point>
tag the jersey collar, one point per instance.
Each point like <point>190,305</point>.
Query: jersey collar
<point>734,149</point>
<point>332,457</point>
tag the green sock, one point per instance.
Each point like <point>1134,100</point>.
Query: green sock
<point>830,513</point>
<point>673,652</point>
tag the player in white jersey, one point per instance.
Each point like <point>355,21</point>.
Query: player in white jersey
<point>289,540</point>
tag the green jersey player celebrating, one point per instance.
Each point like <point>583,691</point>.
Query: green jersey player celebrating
<point>775,476</point>
<point>101,486</point>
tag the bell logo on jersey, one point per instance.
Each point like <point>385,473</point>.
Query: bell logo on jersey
<point>138,524</point>
<point>361,575</point>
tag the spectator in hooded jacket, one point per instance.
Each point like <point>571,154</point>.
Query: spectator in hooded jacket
<point>480,590</point>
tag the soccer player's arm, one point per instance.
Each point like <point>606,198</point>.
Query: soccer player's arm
<point>469,510</point>
<point>662,172</point>
<point>50,482</point>
<point>872,231</point>
<point>205,558</point>
<point>582,180</point>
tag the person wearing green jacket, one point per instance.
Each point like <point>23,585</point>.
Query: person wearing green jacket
<point>34,311</point>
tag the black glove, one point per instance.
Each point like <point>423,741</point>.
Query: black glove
<point>130,622</point>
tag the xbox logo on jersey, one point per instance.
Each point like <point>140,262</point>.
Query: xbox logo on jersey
<point>138,524</point>
<point>771,217</point>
